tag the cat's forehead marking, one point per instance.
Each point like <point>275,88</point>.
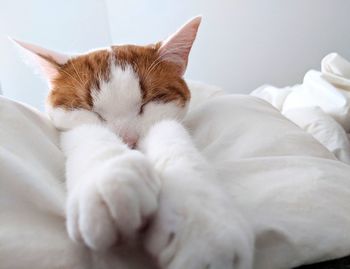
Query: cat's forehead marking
<point>120,95</point>
<point>159,79</point>
<point>118,69</point>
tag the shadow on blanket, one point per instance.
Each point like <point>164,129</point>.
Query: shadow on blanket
<point>343,263</point>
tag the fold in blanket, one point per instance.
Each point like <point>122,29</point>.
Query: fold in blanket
<point>320,105</point>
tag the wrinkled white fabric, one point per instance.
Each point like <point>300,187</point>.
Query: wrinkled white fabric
<point>324,128</point>
<point>275,96</point>
<point>32,196</point>
<point>291,189</point>
<point>328,90</point>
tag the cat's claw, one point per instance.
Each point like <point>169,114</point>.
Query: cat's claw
<point>180,241</point>
<point>113,202</point>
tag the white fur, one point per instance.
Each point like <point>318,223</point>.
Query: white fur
<point>119,100</point>
<point>112,190</point>
<point>193,227</point>
<point>120,96</point>
<point>68,119</point>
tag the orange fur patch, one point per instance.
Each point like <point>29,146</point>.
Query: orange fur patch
<point>159,80</point>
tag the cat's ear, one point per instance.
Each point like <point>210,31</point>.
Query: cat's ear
<point>46,61</point>
<point>177,47</point>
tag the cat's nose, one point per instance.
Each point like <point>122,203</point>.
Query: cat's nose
<point>130,140</point>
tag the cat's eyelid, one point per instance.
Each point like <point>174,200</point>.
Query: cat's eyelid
<point>99,116</point>
<point>142,107</point>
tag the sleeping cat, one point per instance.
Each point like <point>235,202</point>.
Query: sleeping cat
<point>129,160</point>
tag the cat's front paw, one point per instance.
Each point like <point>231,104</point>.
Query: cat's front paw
<point>200,239</point>
<point>113,202</point>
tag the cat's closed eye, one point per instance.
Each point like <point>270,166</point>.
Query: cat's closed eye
<point>160,96</point>
<point>141,109</point>
<point>100,117</point>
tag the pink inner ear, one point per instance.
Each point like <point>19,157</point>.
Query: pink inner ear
<point>178,46</point>
<point>57,57</point>
<point>49,70</point>
<point>36,56</point>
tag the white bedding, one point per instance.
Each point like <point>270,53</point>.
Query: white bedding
<point>320,105</point>
<point>291,189</point>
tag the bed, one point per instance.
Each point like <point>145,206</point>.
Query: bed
<point>303,218</point>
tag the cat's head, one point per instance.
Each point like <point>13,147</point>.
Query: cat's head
<point>126,87</point>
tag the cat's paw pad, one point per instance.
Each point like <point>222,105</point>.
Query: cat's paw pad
<point>113,203</point>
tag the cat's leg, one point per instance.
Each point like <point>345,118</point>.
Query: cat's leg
<point>197,224</point>
<point>112,190</point>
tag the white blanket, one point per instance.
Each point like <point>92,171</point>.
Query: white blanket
<point>291,189</point>
<point>320,105</point>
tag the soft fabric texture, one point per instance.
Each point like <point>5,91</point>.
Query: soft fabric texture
<point>292,193</point>
<point>320,105</point>
<point>324,128</point>
<point>32,195</point>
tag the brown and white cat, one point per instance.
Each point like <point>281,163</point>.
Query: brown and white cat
<point>110,101</point>
<point>127,87</point>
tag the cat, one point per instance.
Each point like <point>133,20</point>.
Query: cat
<point>129,157</point>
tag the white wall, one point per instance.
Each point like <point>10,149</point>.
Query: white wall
<point>241,44</point>
<point>61,25</point>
